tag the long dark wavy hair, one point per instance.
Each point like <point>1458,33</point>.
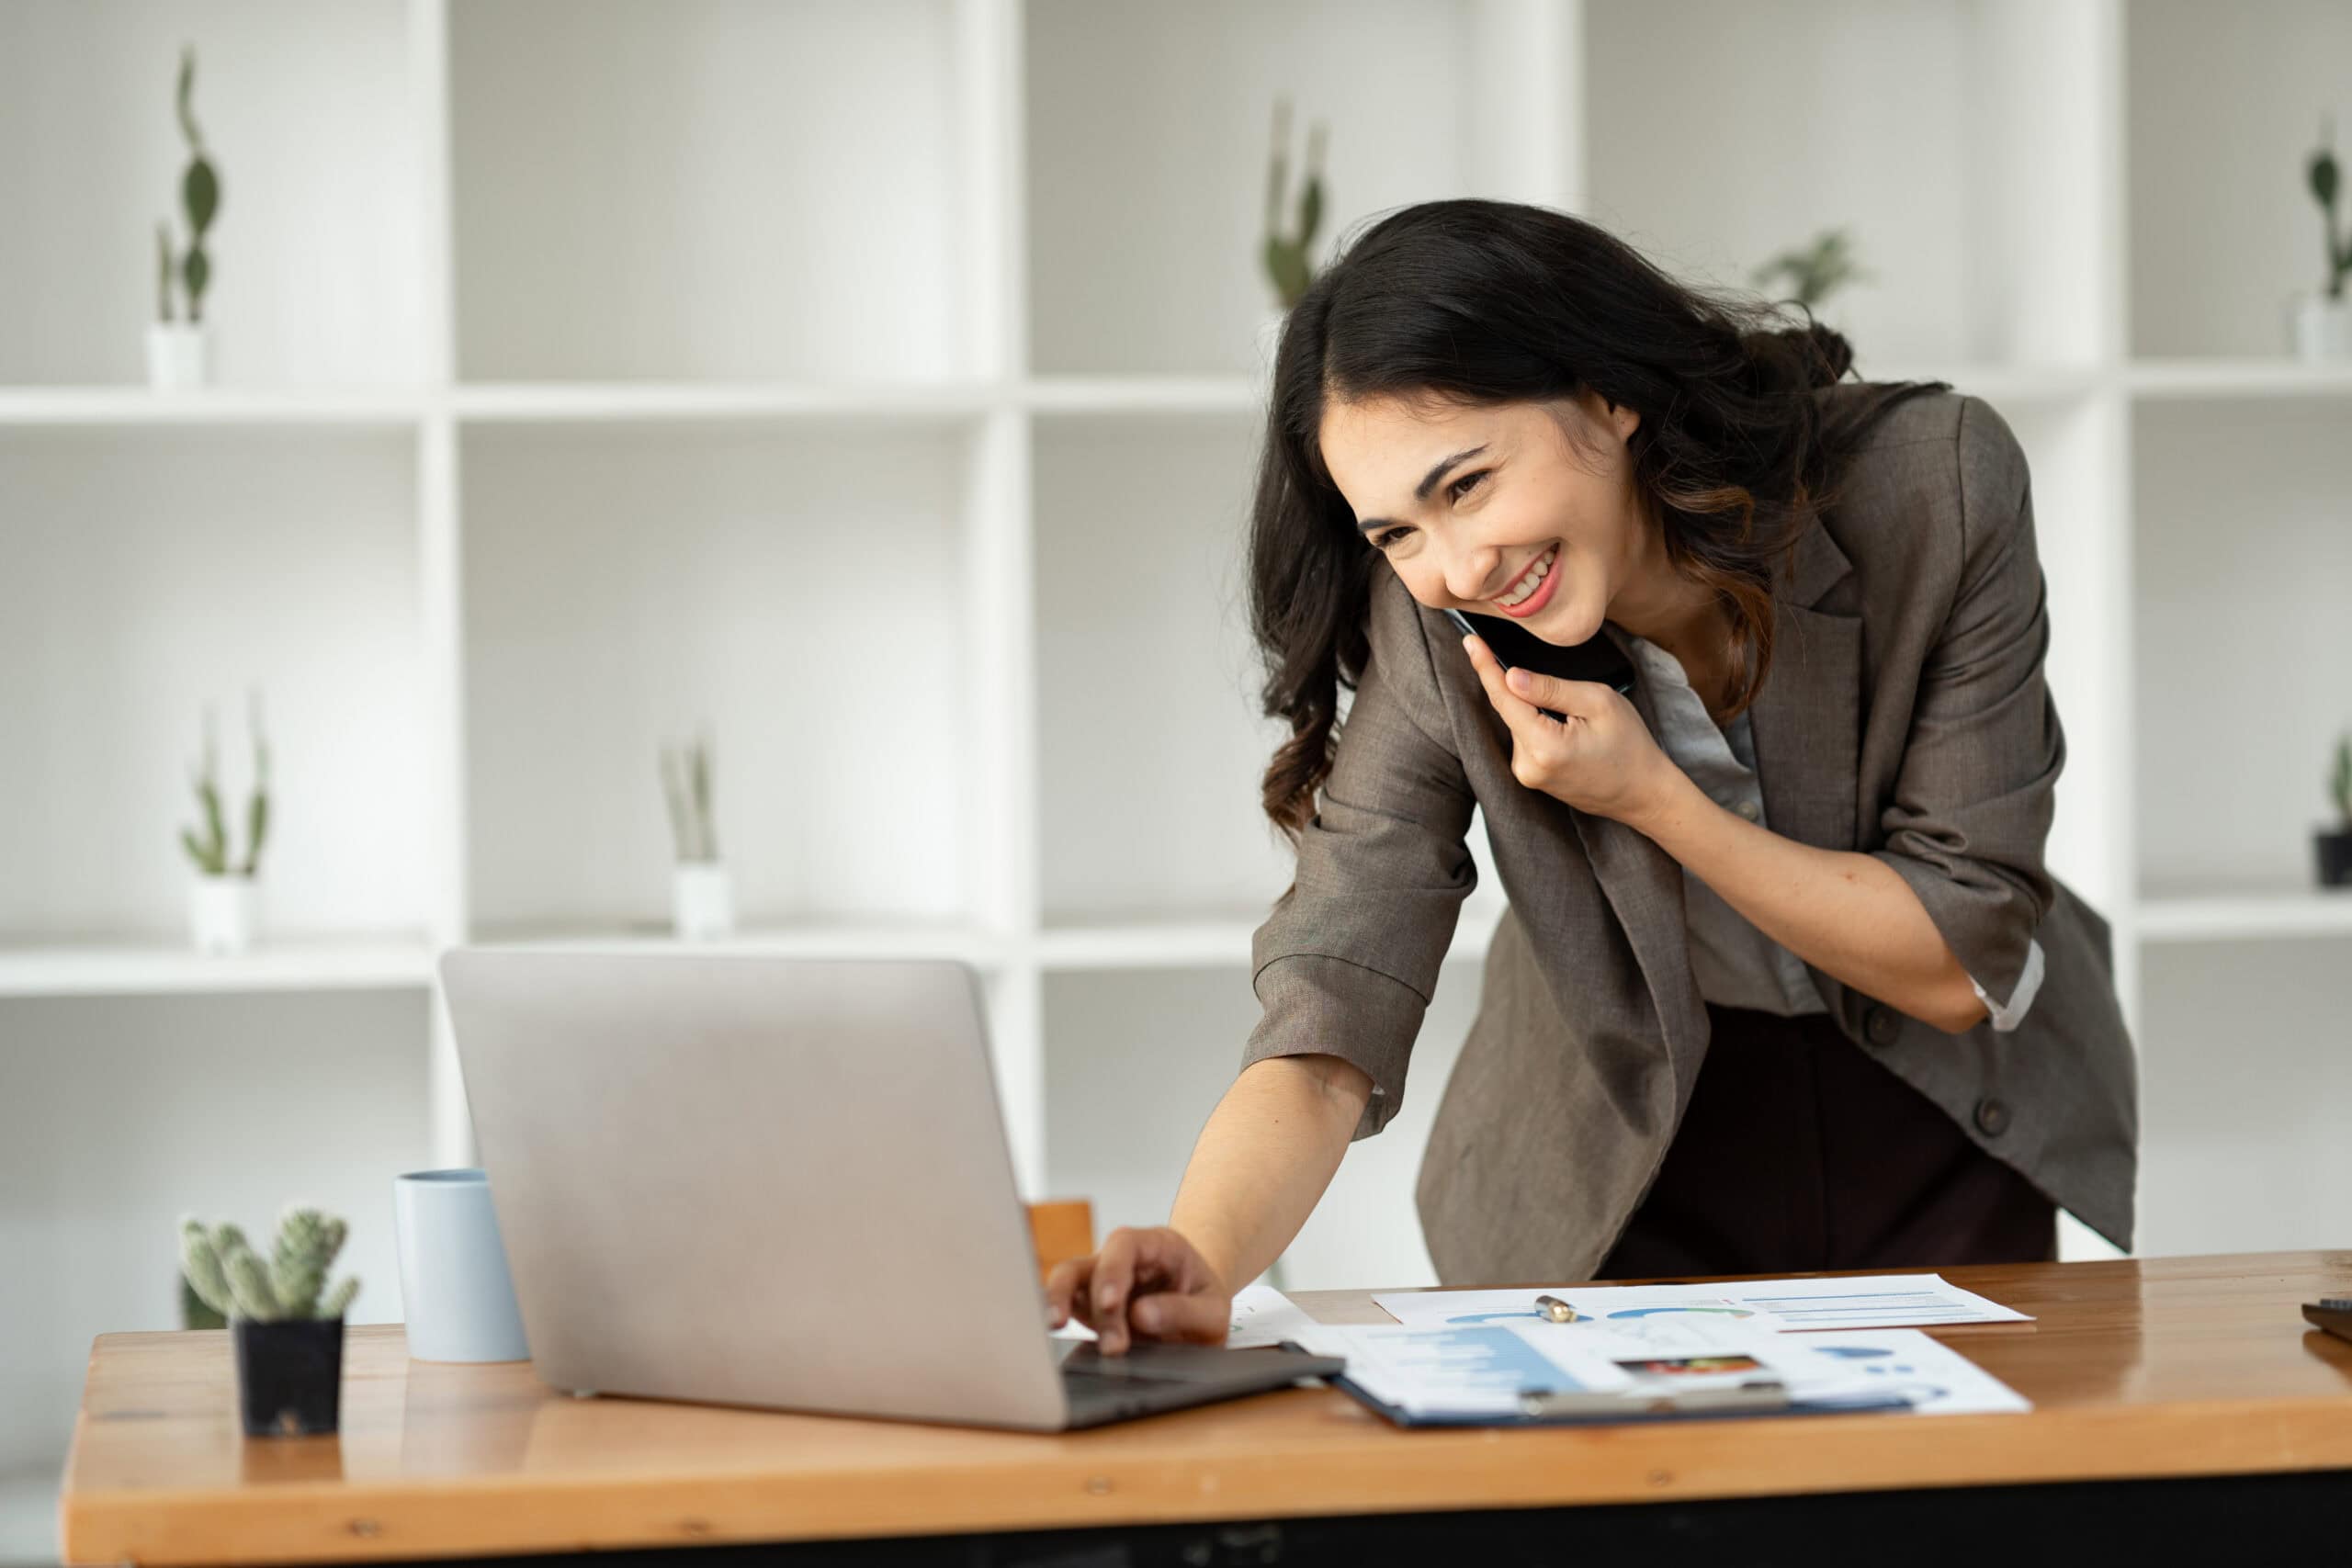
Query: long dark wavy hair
<point>1485,302</point>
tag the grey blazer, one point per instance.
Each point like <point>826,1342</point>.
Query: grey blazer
<point>1905,715</point>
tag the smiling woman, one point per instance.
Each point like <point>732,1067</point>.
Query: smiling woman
<point>1489,328</point>
<point>1784,982</point>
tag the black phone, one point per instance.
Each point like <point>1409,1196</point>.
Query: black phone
<point>1595,658</point>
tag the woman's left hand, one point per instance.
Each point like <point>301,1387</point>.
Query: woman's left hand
<point>1602,759</point>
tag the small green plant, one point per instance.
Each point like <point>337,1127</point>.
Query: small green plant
<point>2339,781</point>
<point>1815,271</point>
<point>227,1275</point>
<point>201,200</point>
<point>195,1313</point>
<point>2325,181</point>
<point>685,785</point>
<point>208,844</point>
<point>1286,254</point>
<point>164,272</point>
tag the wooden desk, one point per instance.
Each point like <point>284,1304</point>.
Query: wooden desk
<point>2138,1368</point>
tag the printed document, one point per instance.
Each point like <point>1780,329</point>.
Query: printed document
<point>1878,1301</point>
<point>1488,1370</point>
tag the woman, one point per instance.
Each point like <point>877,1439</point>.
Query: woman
<point>1784,984</point>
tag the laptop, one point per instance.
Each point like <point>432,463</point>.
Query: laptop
<point>747,1179</point>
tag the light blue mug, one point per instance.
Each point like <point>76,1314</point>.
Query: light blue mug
<point>455,1289</point>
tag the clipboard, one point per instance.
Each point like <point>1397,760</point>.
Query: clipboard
<point>1760,1396</point>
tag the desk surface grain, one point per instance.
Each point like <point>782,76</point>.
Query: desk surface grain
<point>2137,1367</point>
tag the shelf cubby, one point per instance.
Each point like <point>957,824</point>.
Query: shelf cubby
<point>1149,130</point>
<point>122,1114</point>
<point>1959,142</point>
<point>2224,105</point>
<point>799,590</point>
<point>307,112</point>
<point>706,191</point>
<point>2243,643</point>
<point>145,574</point>
<point>1150,747</point>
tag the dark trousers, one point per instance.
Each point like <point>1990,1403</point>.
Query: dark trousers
<point>1800,1152</point>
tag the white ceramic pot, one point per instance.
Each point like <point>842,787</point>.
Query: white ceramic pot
<point>2323,328</point>
<point>222,912</point>
<point>702,900</point>
<point>178,355</point>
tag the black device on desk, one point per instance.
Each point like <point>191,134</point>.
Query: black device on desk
<point>2331,1312</point>
<point>1595,658</point>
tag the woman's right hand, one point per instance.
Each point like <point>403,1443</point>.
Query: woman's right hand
<point>1141,1284</point>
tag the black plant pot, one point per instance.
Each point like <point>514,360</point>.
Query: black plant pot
<point>289,1375</point>
<point>2335,851</point>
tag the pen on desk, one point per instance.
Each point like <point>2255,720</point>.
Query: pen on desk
<point>1555,1309</point>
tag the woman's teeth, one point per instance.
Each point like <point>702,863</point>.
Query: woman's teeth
<point>1531,580</point>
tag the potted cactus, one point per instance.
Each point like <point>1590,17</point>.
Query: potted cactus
<point>702,896</point>
<point>286,1325</point>
<point>177,351</point>
<point>224,898</point>
<point>2334,846</point>
<point>1284,255</point>
<point>2323,320</point>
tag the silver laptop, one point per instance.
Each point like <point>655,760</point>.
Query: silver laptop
<point>751,1179</point>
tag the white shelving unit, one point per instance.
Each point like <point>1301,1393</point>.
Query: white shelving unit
<point>874,380</point>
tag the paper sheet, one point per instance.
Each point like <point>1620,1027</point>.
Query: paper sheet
<point>1481,1370</point>
<point>1612,1305</point>
<point>1880,1301</point>
<point>1263,1316</point>
<point>1936,1378</point>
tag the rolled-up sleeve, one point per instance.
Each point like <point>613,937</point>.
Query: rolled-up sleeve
<point>1973,801</point>
<point>1348,959</point>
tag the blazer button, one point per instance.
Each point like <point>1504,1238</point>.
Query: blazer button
<point>1992,1117</point>
<point>1748,809</point>
<point>1881,1025</point>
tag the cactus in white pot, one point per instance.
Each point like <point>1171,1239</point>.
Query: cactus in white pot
<point>1283,253</point>
<point>224,898</point>
<point>702,895</point>
<point>178,352</point>
<point>2322,320</point>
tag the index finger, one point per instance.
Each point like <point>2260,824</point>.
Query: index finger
<point>1066,1289</point>
<point>1115,1273</point>
<point>1515,710</point>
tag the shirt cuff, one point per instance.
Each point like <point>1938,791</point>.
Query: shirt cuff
<point>2006,1018</point>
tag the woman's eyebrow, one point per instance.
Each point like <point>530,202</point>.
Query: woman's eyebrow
<point>1428,482</point>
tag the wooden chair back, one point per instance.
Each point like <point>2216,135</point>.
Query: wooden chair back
<point>1060,1228</point>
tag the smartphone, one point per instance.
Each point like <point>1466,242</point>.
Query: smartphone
<point>1595,658</point>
